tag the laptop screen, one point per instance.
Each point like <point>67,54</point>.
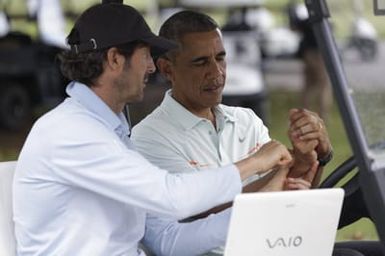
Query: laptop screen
<point>299,223</point>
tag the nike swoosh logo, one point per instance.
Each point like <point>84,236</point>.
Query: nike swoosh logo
<point>241,139</point>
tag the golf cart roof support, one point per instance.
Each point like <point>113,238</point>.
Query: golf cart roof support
<point>372,182</point>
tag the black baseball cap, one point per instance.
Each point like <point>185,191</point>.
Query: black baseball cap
<point>113,24</point>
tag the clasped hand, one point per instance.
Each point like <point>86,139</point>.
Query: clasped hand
<point>310,142</point>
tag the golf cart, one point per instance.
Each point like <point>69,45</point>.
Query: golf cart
<point>363,38</point>
<point>29,77</point>
<point>365,192</point>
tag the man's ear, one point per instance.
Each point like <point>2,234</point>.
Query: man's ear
<point>114,60</point>
<point>165,68</point>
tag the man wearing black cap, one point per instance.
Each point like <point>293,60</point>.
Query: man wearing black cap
<point>80,187</point>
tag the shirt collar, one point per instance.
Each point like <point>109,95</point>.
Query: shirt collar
<point>85,96</point>
<point>228,115</point>
<point>184,117</point>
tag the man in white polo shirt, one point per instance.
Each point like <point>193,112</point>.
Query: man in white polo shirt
<point>191,131</point>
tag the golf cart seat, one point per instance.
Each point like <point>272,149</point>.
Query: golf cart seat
<point>7,237</point>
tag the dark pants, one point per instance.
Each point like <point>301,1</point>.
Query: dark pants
<point>346,252</point>
<point>358,248</point>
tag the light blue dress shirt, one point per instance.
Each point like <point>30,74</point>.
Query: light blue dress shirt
<point>80,188</point>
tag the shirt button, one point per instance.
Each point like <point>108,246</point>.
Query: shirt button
<point>210,132</point>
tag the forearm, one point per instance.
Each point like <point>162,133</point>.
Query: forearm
<point>165,237</point>
<point>254,186</point>
<point>214,210</point>
<point>317,179</point>
<point>257,185</point>
<point>298,169</point>
<point>271,155</point>
<point>248,167</point>
<point>303,161</point>
<point>203,190</point>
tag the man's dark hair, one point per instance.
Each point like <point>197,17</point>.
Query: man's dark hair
<point>186,22</point>
<point>88,66</point>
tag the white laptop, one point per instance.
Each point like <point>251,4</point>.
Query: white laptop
<point>291,223</point>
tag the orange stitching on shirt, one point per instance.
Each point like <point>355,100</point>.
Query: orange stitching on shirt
<point>193,162</point>
<point>197,164</point>
<point>254,149</point>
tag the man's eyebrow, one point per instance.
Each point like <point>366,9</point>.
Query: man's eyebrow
<point>203,58</point>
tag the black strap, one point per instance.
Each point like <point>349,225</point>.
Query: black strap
<point>83,47</point>
<point>112,1</point>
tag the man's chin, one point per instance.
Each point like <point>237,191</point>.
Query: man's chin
<point>136,99</point>
<point>139,98</point>
<point>215,103</point>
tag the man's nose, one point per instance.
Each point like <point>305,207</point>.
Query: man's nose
<point>150,66</point>
<point>215,70</point>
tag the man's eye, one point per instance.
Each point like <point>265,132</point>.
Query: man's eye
<point>200,63</point>
<point>221,58</point>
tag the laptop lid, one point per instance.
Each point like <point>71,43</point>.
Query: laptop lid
<point>299,223</point>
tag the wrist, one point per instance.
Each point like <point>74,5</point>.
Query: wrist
<point>324,149</point>
<point>325,159</point>
<point>305,157</point>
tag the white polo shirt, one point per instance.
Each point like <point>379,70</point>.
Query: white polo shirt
<point>173,138</point>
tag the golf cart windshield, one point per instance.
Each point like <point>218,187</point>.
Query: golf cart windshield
<point>369,99</point>
<point>365,82</point>
<point>361,58</point>
<point>359,91</point>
